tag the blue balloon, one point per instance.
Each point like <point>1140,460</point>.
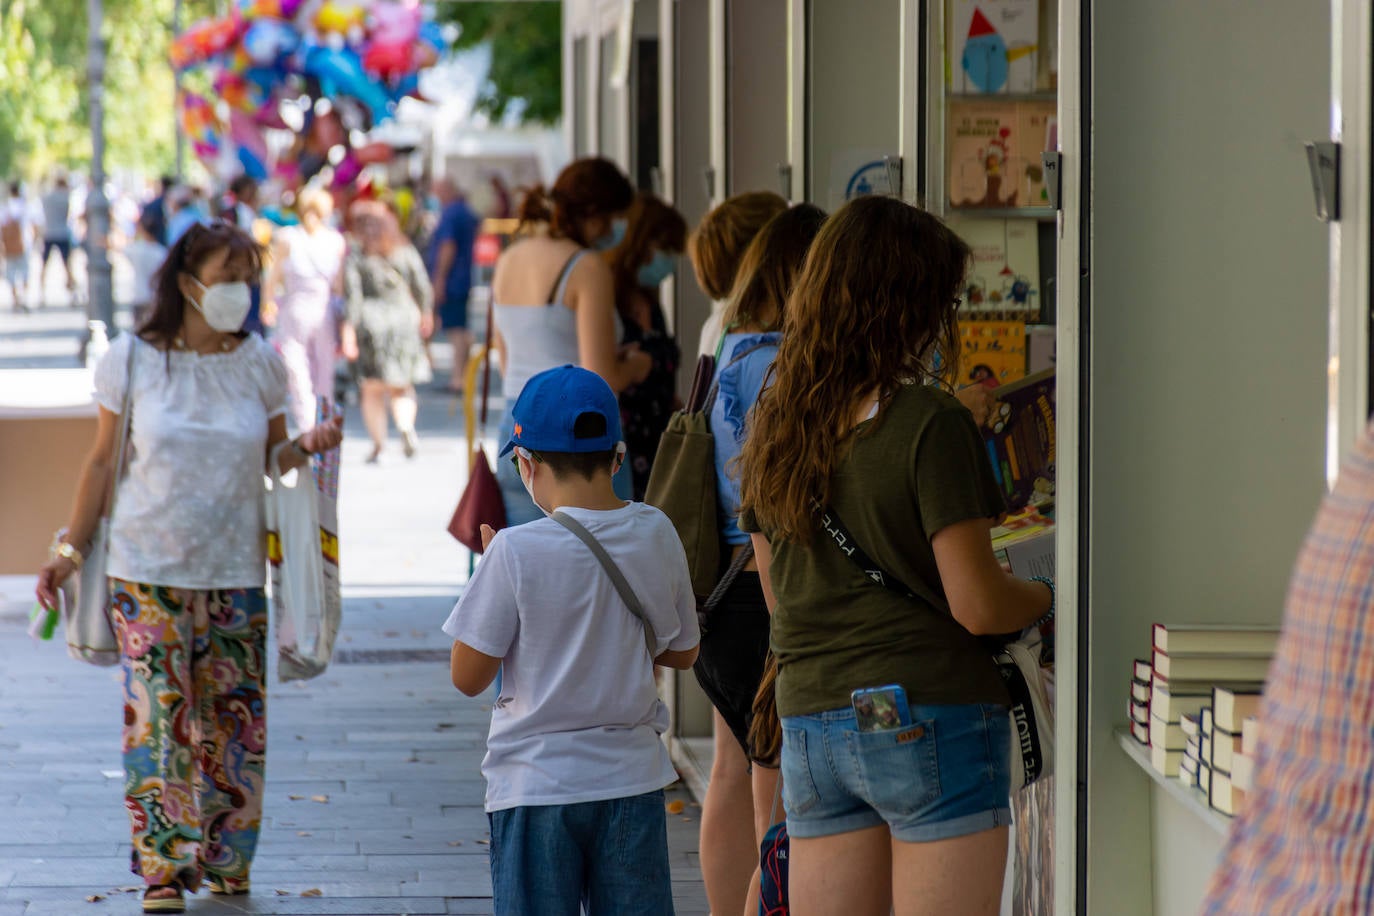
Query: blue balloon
<point>267,41</point>
<point>985,62</point>
<point>432,34</point>
<point>253,167</point>
<point>342,71</point>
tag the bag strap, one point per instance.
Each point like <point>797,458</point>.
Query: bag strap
<point>849,546</point>
<point>126,420</point>
<point>560,285</point>
<point>622,586</point>
<point>486,368</point>
<point>731,574</point>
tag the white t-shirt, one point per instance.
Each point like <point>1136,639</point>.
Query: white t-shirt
<point>711,330</point>
<point>189,511</point>
<point>578,718</point>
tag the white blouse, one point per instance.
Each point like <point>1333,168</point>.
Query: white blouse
<point>189,511</point>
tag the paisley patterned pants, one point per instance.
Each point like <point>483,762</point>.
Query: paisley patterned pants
<point>195,728</point>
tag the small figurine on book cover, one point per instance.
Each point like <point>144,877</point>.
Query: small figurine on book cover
<point>1215,639</point>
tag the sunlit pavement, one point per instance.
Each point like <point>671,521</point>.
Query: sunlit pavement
<point>373,789</point>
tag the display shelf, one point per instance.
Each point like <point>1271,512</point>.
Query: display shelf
<point>1192,799</point>
<point>1048,96</point>
<point>1037,213</point>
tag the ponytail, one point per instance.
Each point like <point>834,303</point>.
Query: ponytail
<point>535,207</point>
<point>586,188</point>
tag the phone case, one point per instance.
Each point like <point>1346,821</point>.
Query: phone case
<point>880,708</point>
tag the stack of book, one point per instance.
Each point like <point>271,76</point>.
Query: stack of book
<point>1188,663</point>
<point>1230,710</point>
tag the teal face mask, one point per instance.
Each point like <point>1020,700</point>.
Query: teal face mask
<point>659,268</point>
<point>612,238</point>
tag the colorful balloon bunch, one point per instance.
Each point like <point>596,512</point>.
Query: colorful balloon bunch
<point>362,56</point>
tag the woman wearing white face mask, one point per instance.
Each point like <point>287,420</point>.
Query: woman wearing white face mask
<point>655,235</point>
<point>187,561</point>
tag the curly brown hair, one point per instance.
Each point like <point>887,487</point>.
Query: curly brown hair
<point>875,307</point>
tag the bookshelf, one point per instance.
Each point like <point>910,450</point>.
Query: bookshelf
<point>1191,799</point>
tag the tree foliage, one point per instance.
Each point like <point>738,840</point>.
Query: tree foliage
<point>526,40</point>
<point>44,113</point>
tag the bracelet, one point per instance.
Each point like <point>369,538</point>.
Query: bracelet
<point>1048,615</point>
<point>301,449</point>
<point>67,551</point>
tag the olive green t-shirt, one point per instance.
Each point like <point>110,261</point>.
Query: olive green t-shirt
<point>921,467</point>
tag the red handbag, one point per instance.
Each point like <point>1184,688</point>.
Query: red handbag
<point>481,502</point>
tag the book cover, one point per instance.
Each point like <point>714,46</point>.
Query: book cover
<point>1204,778</point>
<point>1020,440</point>
<point>1005,272</point>
<point>1167,735</point>
<point>1223,795</point>
<point>1242,771</point>
<point>992,353</point>
<point>1206,724</point>
<point>994,152</point>
<point>1230,708</point>
<point>1033,556</point>
<point>1172,708</point>
<point>1194,687</point>
<point>1215,639</point>
<point>1140,732</point>
<point>1143,669</point>
<point>1218,668</point>
<point>1139,712</point>
<point>1164,760</point>
<point>1250,736</point>
<point>1191,724</point>
<point>1193,750</point>
<point>1225,749</point>
<point>993,45</point>
<point>1140,690</point>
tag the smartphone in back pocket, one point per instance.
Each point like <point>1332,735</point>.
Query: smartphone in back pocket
<point>880,708</point>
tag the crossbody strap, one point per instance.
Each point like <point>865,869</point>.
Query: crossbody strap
<point>627,594</point>
<point>848,545</point>
<point>125,421</point>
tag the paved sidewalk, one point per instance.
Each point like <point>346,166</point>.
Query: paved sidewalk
<point>374,794</point>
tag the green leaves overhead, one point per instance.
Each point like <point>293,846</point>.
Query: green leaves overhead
<point>526,41</point>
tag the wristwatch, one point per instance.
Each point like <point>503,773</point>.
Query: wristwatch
<point>67,551</point>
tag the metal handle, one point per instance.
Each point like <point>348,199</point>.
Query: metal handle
<point>785,179</point>
<point>1052,160</point>
<point>656,180</point>
<point>708,177</point>
<point>1324,162</point>
<point>893,166</point>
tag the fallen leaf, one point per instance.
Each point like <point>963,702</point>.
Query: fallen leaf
<point>304,833</point>
<point>130,888</point>
<point>295,797</point>
<point>484,842</point>
<point>455,842</point>
<point>313,892</point>
<point>322,799</point>
<point>95,898</point>
<point>676,806</point>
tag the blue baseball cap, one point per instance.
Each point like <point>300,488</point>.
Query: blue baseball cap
<point>549,406</point>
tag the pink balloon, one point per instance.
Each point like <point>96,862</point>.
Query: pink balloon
<point>245,132</point>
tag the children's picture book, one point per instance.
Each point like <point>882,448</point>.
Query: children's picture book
<point>1020,440</point>
<point>992,353</point>
<point>994,152</point>
<point>1005,273</point>
<point>993,45</point>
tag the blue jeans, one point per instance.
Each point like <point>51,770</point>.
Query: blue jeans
<point>519,507</point>
<point>609,858</point>
<point>945,775</point>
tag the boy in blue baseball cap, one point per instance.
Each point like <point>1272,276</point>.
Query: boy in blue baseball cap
<point>575,610</point>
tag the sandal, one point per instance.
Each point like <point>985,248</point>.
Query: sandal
<point>175,903</point>
<point>226,887</point>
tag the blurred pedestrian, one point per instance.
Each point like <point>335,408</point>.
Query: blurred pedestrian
<point>388,311</point>
<point>145,255</point>
<point>306,273</point>
<point>655,235</point>
<point>57,230</point>
<point>450,261</point>
<point>17,234</point>
<point>716,248</point>
<point>556,306</point>
<point>156,209</point>
<point>187,562</point>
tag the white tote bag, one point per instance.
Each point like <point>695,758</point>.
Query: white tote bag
<point>303,553</point>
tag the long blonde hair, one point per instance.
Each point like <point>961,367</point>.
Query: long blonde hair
<point>874,307</point>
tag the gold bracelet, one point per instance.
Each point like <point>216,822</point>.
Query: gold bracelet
<point>67,551</point>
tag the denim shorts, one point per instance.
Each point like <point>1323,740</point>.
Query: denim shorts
<point>945,775</point>
<point>595,857</point>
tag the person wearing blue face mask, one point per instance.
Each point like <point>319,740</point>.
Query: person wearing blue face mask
<point>553,300</point>
<point>646,255</point>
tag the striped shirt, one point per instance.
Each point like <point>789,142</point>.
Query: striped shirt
<point>1304,842</point>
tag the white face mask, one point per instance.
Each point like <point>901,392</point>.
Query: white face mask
<point>525,459</point>
<point>224,305</point>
